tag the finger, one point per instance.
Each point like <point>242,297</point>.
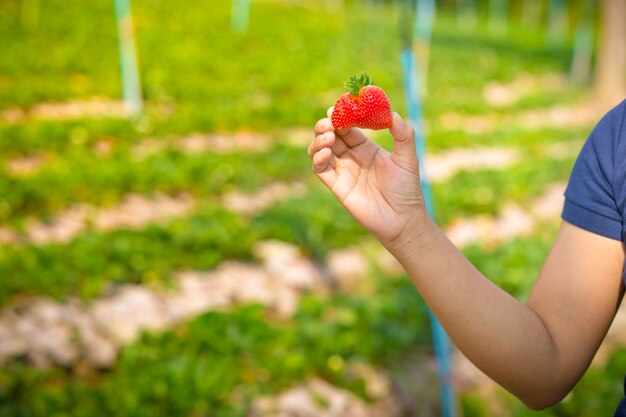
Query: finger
<point>323,166</point>
<point>323,140</point>
<point>339,147</point>
<point>351,136</point>
<point>327,140</point>
<point>329,112</point>
<point>404,141</point>
<point>321,160</point>
<point>323,125</point>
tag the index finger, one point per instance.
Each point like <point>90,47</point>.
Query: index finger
<point>323,126</point>
<point>349,135</point>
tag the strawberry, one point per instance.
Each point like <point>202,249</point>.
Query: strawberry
<point>364,105</point>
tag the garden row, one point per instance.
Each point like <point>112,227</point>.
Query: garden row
<point>211,233</point>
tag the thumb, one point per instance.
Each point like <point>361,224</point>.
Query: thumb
<point>403,142</point>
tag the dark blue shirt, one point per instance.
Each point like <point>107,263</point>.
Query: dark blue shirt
<point>595,198</point>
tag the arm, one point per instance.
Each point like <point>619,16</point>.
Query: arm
<point>537,350</point>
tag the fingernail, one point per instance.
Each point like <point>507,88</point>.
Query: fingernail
<point>399,119</point>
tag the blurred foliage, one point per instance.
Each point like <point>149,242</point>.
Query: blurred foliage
<point>219,362</point>
<point>105,180</point>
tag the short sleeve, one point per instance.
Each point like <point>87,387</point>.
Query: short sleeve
<point>590,201</point>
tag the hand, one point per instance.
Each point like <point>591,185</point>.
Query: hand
<point>380,190</point>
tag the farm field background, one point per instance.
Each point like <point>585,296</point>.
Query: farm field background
<point>187,262</point>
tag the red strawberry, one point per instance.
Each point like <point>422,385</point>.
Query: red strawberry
<point>364,105</point>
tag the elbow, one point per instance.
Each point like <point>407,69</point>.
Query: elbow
<point>541,404</point>
<point>545,388</point>
<point>544,398</point>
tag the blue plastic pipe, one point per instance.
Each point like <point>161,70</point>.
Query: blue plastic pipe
<point>131,87</point>
<point>424,18</point>
<point>422,34</point>
<point>422,31</point>
<point>441,342</point>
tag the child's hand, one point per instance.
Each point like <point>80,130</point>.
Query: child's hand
<point>380,190</point>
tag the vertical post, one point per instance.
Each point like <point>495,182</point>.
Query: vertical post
<point>557,21</point>
<point>498,16</point>
<point>422,33</point>
<point>466,13</point>
<point>240,17</point>
<point>531,13</point>
<point>610,83</point>
<point>131,86</point>
<point>580,71</point>
<point>441,342</point>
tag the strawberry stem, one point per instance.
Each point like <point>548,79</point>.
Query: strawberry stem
<point>356,82</point>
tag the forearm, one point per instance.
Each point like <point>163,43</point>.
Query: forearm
<point>502,336</point>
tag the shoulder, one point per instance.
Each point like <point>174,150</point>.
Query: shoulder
<point>605,143</point>
<point>595,196</point>
<point>610,129</point>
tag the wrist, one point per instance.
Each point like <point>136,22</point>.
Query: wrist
<point>419,230</point>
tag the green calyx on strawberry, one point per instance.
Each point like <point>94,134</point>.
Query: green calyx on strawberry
<point>364,105</point>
